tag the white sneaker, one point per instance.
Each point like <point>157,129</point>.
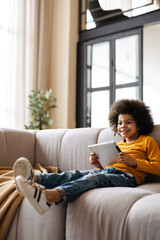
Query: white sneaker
<point>23,167</point>
<point>35,193</point>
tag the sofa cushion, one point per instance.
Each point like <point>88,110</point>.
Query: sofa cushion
<point>48,146</point>
<point>16,143</point>
<point>101,213</point>
<point>107,134</point>
<point>74,153</point>
<point>49,226</point>
<point>143,219</point>
<point>154,187</point>
<point>155,134</point>
<point>65,148</point>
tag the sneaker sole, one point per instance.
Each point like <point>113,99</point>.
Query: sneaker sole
<point>21,167</point>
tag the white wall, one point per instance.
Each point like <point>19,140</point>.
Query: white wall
<point>151,69</point>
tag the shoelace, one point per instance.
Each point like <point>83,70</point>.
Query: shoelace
<point>37,185</point>
<point>39,188</point>
<point>31,176</point>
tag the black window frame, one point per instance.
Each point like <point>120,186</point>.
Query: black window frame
<point>120,27</point>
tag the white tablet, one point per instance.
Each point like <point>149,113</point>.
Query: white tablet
<point>108,152</point>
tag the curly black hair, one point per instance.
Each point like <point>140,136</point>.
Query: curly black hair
<point>139,111</point>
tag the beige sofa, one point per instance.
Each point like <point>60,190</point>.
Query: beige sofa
<point>99,214</point>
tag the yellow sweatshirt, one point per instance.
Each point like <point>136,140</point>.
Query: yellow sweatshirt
<point>147,153</point>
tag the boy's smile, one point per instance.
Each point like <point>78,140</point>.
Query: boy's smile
<point>127,127</point>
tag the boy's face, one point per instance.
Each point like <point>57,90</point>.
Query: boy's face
<point>127,127</point>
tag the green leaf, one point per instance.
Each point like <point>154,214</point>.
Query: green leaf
<point>40,106</point>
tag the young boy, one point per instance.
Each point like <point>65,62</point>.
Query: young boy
<point>139,156</point>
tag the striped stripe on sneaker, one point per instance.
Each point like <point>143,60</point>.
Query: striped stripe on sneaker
<point>35,193</point>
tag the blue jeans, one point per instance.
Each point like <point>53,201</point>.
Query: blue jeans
<point>71,184</point>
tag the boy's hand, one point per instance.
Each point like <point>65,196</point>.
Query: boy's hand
<point>127,159</point>
<point>93,160</point>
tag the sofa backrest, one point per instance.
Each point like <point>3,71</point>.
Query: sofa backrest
<point>64,148</point>
<point>68,148</point>
<point>15,143</point>
<point>156,134</point>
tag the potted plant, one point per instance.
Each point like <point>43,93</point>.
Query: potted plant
<point>40,106</point>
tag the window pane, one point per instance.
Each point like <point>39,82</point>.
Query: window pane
<point>127,60</point>
<point>127,93</point>
<point>90,22</point>
<point>151,98</point>
<point>99,108</point>
<point>100,65</point>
